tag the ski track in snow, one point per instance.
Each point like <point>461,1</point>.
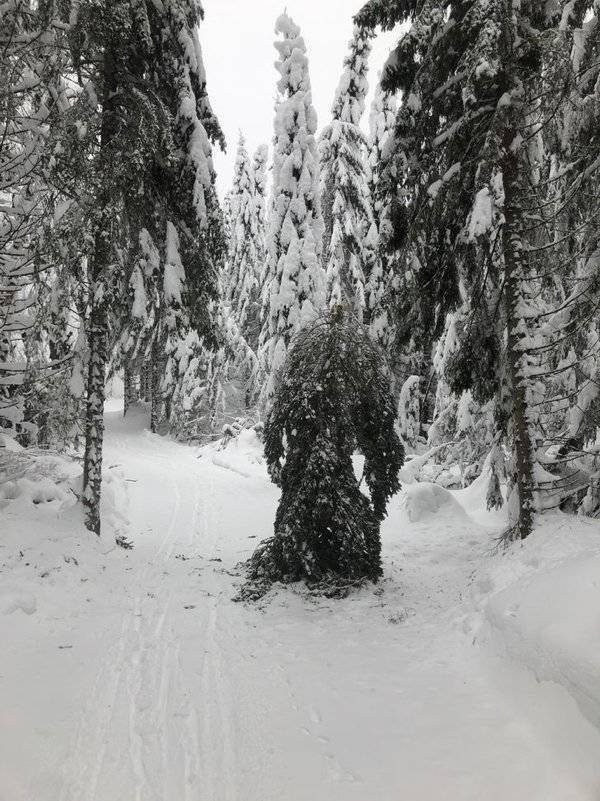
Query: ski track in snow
<point>381,696</point>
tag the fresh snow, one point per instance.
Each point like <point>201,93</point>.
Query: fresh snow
<point>481,217</point>
<point>131,675</point>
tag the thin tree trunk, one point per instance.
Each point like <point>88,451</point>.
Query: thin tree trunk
<point>513,171</point>
<point>94,416</point>
<point>155,395</point>
<point>143,381</point>
<point>98,321</point>
<point>129,388</point>
<point>516,353</point>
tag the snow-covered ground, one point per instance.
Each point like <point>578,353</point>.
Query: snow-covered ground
<point>131,675</point>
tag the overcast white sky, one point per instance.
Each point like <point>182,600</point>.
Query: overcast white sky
<point>237,41</point>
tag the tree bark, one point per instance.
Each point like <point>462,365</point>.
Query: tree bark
<point>514,169</point>
<point>144,381</point>
<point>155,394</point>
<point>515,330</point>
<point>94,415</point>
<point>130,394</point>
<point>98,320</point>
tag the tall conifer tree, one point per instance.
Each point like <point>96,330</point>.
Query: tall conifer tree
<point>295,281</point>
<point>470,74</point>
<point>381,281</point>
<point>245,245</point>
<point>345,191</point>
<point>134,150</point>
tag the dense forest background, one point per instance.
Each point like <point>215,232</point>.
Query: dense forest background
<point>461,232</point>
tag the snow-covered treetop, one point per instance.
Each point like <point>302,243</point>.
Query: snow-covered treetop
<point>243,180</point>
<point>296,201</point>
<point>294,279</point>
<point>243,230</point>
<point>261,158</point>
<point>344,183</point>
<point>349,101</point>
<point>259,166</point>
<point>381,119</point>
<point>293,62</point>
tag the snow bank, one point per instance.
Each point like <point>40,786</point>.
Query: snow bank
<point>46,554</point>
<point>34,477</point>
<point>61,590</point>
<point>547,615</point>
<point>425,500</point>
<point>13,599</point>
<point>242,454</point>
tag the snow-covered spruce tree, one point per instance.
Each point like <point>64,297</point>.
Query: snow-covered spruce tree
<point>238,314</point>
<point>344,184</point>
<point>132,151</point>
<point>102,152</point>
<point>471,80</point>
<point>571,325</point>
<point>462,431</point>
<point>295,279</point>
<point>207,388</point>
<point>242,291</point>
<point>193,344</point>
<point>31,93</point>
<point>50,345</point>
<point>259,165</point>
<point>192,399</point>
<point>183,246</point>
<point>332,398</point>
<point>382,280</point>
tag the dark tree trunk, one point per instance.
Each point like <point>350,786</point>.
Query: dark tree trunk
<point>155,393</point>
<point>514,278</point>
<point>130,394</point>
<point>94,416</point>
<point>145,381</point>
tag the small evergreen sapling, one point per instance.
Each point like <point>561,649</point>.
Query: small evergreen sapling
<point>332,398</point>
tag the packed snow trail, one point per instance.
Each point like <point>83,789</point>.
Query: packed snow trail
<point>153,685</point>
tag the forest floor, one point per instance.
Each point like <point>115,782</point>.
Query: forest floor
<point>131,675</point>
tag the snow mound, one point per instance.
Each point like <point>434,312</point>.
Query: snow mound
<point>13,600</point>
<point>242,455</point>
<point>424,500</point>
<point>10,444</point>
<point>549,617</point>
<point>43,543</point>
<point>36,478</point>
<point>115,502</point>
<point>40,491</point>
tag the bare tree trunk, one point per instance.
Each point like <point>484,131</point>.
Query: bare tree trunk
<point>514,278</point>
<point>146,380</point>
<point>94,415</point>
<point>514,168</point>
<point>155,394</point>
<point>130,394</point>
<point>98,321</point>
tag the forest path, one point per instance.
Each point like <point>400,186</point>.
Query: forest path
<point>381,696</point>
